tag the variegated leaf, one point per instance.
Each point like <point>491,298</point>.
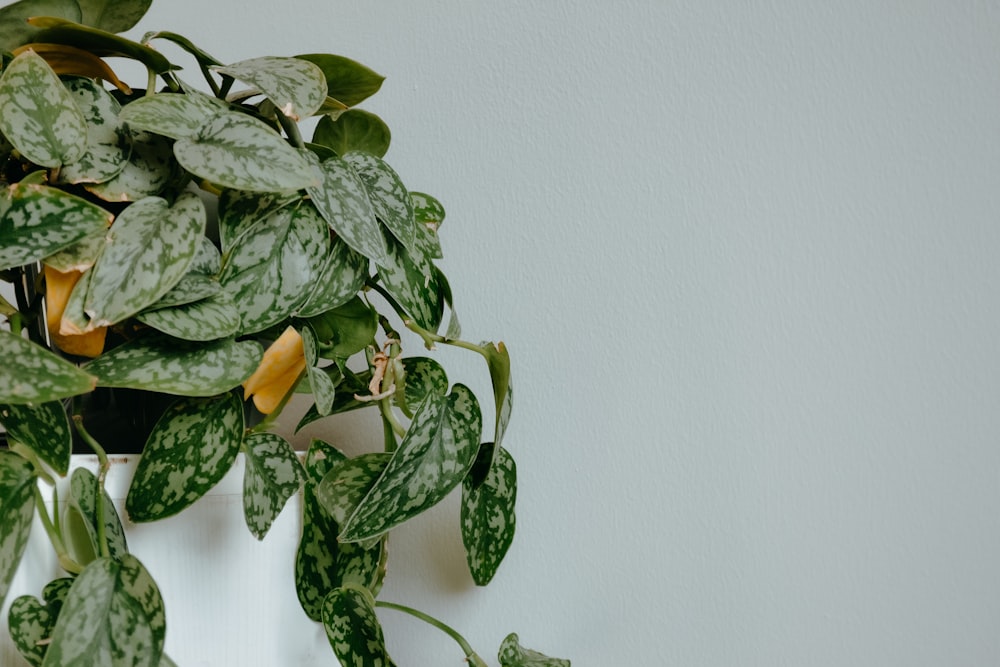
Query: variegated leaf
<point>208,319</point>
<point>343,275</point>
<point>392,202</point>
<point>39,116</point>
<point>271,271</point>
<point>149,249</point>
<point>429,214</point>
<point>498,361</point>
<point>167,365</point>
<point>347,482</point>
<point>113,15</point>
<point>353,130</point>
<point>454,329</point>
<point>150,169</point>
<point>17,507</point>
<point>348,81</point>
<point>240,212</point>
<point>296,87</point>
<point>236,151</point>
<point>37,221</point>
<point>488,519</point>
<point>108,144</point>
<point>32,620</point>
<point>412,281</point>
<point>512,654</point>
<point>44,428</point>
<point>113,616</point>
<point>342,200</point>
<point>346,329</point>
<point>424,377</point>
<point>81,255</point>
<point>190,288</point>
<point>344,402</point>
<point>433,458</point>
<point>323,388</point>
<point>32,374</point>
<point>174,115</point>
<point>83,496</point>
<point>273,474</point>
<point>14,27</point>
<point>192,446</point>
<point>353,629</point>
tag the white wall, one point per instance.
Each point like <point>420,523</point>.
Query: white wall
<point>744,255</point>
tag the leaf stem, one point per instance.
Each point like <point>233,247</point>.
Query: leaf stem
<point>103,466</point>
<point>430,338</point>
<point>65,561</point>
<point>470,654</point>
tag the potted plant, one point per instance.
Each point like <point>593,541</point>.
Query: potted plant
<point>185,262</point>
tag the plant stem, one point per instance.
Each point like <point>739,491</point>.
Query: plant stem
<point>65,561</point>
<point>291,129</point>
<point>470,654</point>
<point>103,466</point>
<point>431,338</point>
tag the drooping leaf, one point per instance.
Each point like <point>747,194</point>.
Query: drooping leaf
<point>174,115</point>
<point>498,361</point>
<point>113,616</point>
<point>17,507</point>
<point>39,116</point>
<point>113,15</point>
<point>80,256</point>
<point>207,319</point>
<point>353,629</point>
<point>433,458</point>
<point>14,27</point>
<point>347,81</point>
<point>150,169</point>
<point>97,41</point>
<point>83,496</point>
<point>488,518</point>
<point>273,474</point>
<point>512,654</point>
<point>37,221</point>
<point>32,620</point>
<point>411,279</point>
<point>192,446</point>
<point>44,428</point>
<point>354,130</point>
<point>295,86</point>
<point>236,151</point>
<point>71,61</point>
<point>343,275</point>
<point>32,374</point>
<point>342,200</point>
<point>108,144</point>
<point>424,377</point>
<point>162,364</point>
<point>348,328</point>
<point>323,388</point>
<point>429,214</point>
<point>149,249</point>
<point>388,195</point>
<point>285,255</point>
<point>347,482</point>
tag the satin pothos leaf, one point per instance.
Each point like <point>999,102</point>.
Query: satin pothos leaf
<point>347,81</point>
<point>488,518</point>
<point>206,319</point>
<point>347,482</point>
<point>14,27</point>
<point>192,446</point>
<point>433,458</point>
<point>174,115</point>
<point>42,427</point>
<point>32,374</point>
<point>512,654</point>
<point>83,497</point>
<point>38,220</point>
<point>150,170</point>
<point>412,280</point>
<point>241,211</point>
<point>353,629</point>
<point>39,116</point>
<point>273,474</point>
<point>113,616</point>
<point>162,364</point>
<point>424,377</point>
<point>388,195</point>
<point>113,15</point>
<point>296,87</point>
<point>17,507</point>
<point>354,130</point>
<point>31,621</point>
<point>342,276</point>
<point>428,214</point>
<point>323,388</point>
<point>108,144</point>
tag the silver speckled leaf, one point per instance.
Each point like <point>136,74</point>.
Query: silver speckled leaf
<point>296,87</point>
<point>17,507</point>
<point>108,144</point>
<point>42,427</point>
<point>273,474</point>
<point>388,195</point>
<point>353,629</point>
<point>512,654</point>
<point>83,496</point>
<point>32,374</point>
<point>32,620</point>
<point>488,518</point>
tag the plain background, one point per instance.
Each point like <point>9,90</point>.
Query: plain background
<point>744,255</point>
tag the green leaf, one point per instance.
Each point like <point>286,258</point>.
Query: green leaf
<point>192,446</point>
<point>344,402</point>
<point>412,281</point>
<point>342,200</point>
<point>434,456</point>
<point>498,361</point>
<point>80,256</point>
<point>428,214</point>
<point>512,654</point>
<point>271,271</point>
<point>150,169</point>
<point>488,518</point>
<point>353,629</point>
<point>240,212</point>
<point>392,202</point>
<point>149,249</point>
<point>32,374</point>
<point>174,115</point>
<point>348,328</point>
<point>113,15</point>
<point>108,144</point>
<point>323,388</point>
<point>194,286</point>
<point>42,427</point>
<point>39,116</point>
<point>343,275</point>
<point>14,28</point>
<point>354,130</point>
<point>207,319</point>
<point>273,475</point>
<point>83,496</point>
<point>424,377</point>
<point>347,81</point>
<point>113,616</point>
<point>166,365</point>
<point>296,87</point>
<point>17,507</point>
<point>32,620</point>
<point>99,42</point>
<point>236,151</point>
<point>37,221</point>
<point>347,482</point>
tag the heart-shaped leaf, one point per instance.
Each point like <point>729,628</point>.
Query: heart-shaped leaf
<point>273,474</point>
<point>32,374</point>
<point>174,115</point>
<point>295,86</point>
<point>108,144</point>
<point>37,221</point>
<point>488,518</point>
<point>512,654</point>
<point>83,497</point>
<point>429,214</point>
<point>433,458</point>
<point>192,446</point>
<point>412,280</point>
<point>162,364</point>
<point>347,81</point>
<point>240,212</point>
<point>113,616</point>
<point>424,377</point>
<point>150,169</point>
<point>348,328</point>
<point>347,482</point>
<point>39,116</point>
<point>353,130</point>
<point>392,202</point>
<point>498,361</point>
<point>353,629</point>
<point>17,507</point>
<point>44,428</point>
<point>211,318</point>
<point>32,620</point>
<point>343,275</point>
